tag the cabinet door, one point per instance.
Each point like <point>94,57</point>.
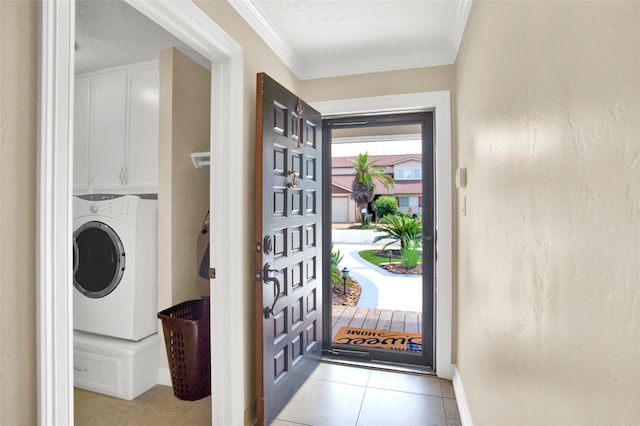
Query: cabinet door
<point>108,131</point>
<point>81,125</point>
<point>142,148</point>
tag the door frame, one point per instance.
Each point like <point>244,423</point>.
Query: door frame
<point>54,315</point>
<point>440,103</point>
<point>423,359</point>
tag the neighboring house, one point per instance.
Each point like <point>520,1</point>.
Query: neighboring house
<point>406,170</point>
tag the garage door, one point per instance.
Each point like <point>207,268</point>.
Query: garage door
<point>340,209</point>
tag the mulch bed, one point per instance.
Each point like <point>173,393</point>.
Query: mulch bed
<point>351,298</point>
<point>398,268</point>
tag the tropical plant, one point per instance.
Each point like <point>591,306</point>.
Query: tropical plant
<point>399,229</point>
<point>385,206</point>
<point>364,186</point>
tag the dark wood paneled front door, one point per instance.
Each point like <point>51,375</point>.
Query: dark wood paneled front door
<point>288,245</point>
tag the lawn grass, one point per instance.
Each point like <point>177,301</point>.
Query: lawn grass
<point>362,227</point>
<point>371,257</point>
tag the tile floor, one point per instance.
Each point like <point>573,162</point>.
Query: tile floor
<point>334,395</point>
<point>343,395</point>
<point>157,407</point>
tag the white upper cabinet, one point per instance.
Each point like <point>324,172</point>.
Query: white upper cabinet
<point>107,135</point>
<point>81,136</point>
<point>116,141</point>
<point>142,148</point>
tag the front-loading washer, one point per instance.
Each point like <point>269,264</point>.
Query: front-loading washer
<point>115,265</point>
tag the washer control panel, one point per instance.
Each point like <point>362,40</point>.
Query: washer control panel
<point>109,206</point>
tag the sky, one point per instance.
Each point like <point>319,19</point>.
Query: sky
<point>376,148</point>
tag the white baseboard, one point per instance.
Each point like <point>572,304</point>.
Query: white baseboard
<point>461,398</point>
<point>164,376</point>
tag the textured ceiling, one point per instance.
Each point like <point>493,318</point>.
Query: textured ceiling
<point>322,38</point>
<point>112,33</point>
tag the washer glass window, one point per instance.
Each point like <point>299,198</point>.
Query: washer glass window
<point>98,259</point>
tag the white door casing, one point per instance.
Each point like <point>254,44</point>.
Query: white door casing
<point>185,20</point>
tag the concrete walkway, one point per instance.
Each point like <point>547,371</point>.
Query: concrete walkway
<point>380,289</point>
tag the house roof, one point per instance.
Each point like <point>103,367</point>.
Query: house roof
<point>336,190</point>
<point>399,188</point>
<point>381,160</point>
<point>404,160</point>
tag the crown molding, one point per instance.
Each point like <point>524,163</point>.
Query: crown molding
<point>458,25</point>
<point>251,13</point>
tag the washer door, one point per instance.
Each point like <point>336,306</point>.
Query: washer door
<point>98,259</point>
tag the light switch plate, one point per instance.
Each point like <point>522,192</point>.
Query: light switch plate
<point>461,177</point>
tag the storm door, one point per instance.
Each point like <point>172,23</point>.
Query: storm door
<point>380,292</point>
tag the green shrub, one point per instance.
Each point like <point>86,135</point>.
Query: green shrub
<point>399,228</point>
<point>385,206</point>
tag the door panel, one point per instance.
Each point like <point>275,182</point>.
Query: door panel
<point>288,245</point>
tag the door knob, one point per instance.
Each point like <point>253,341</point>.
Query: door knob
<point>266,278</point>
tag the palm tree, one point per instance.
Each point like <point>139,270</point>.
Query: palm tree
<point>363,186</point>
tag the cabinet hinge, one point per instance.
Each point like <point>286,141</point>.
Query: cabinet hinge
<point>212,273</point>
<point>259,275</point>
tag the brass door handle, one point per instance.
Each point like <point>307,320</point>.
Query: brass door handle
<point>294,182</point>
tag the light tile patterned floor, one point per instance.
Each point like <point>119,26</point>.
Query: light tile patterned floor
<point>352,396</point>
<point>334,395</point>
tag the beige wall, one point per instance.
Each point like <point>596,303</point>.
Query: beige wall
<point>183,190</point>
<point>379,84</point>
<point>17,213</point>
<point>549,251</point>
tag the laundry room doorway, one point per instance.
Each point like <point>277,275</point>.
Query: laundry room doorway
<point>188,22</point>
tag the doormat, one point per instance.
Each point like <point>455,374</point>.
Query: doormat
<point>385,339</point>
